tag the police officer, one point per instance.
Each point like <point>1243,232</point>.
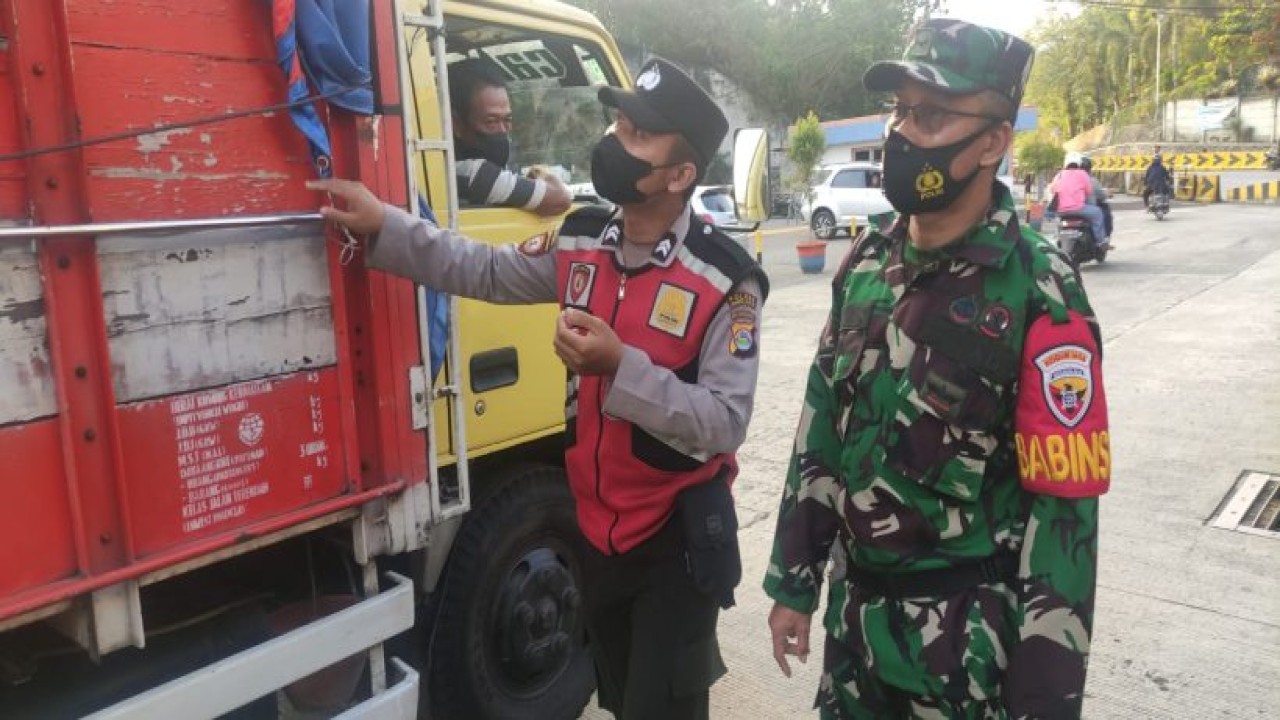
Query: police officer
<point>660,334</point>
<point>953,440</point>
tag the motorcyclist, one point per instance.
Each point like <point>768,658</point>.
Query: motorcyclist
<point>1099,197</point>
<point>1156,180</point>
<point>1072,189</point>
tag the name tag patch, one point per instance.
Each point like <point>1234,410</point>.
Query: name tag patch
<point>672,309</point>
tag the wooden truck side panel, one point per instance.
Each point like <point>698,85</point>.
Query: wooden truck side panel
<point>163,396</point>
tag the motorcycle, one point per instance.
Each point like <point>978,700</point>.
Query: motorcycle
<point>1159,205</point>
<point>1076,241</point>
<point>1273,160</point>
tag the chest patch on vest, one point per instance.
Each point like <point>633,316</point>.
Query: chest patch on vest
<point>582,278</point>
<point>672,309</point>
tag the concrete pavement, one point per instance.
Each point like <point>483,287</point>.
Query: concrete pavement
<point>1188,616</point>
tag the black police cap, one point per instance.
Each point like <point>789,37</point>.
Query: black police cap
<point>666,100</point>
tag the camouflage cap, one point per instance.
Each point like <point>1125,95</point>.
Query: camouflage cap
<point>957,57</point>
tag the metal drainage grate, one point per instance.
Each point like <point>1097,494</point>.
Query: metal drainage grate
<point>1253,506</point>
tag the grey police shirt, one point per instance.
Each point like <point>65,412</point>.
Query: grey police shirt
<point>709,416</point>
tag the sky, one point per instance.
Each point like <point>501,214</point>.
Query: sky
<point>1012,16</point>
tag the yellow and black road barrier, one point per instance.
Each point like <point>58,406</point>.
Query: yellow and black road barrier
<point>1257,192</point>
<point>1184,187</point>
<point>1185,161</point>
<point>1208,188</point>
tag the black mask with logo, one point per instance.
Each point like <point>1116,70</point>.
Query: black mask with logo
<point>494,147</point>
<point>918,179</point>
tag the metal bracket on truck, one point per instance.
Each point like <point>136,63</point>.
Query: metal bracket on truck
<point>224,686</point>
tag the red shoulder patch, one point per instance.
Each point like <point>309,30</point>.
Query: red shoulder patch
<point>537,245</point>
<point>1060,425</point>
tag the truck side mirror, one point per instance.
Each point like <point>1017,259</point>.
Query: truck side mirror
<point>751,175</point>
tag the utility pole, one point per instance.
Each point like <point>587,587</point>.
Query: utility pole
<point>1159,41</point>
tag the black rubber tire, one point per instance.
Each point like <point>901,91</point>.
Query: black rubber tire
<point>823,224</point>
<point>470,663</point>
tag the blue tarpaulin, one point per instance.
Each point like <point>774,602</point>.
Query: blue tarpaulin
<point>329,40</point>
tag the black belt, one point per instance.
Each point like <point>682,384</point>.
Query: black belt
<point>939,583</point>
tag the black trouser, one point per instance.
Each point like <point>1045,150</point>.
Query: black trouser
<point>652,633</point>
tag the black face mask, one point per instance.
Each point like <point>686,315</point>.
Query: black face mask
<point>918,180</point>
<point>494,147</point>
<point>615,172</point>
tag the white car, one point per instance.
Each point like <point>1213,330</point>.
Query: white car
<point>843,198</point>
<point>713,204</point>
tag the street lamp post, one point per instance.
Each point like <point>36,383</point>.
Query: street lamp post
<point>1159,42</point>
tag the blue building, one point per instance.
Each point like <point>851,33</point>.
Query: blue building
<point>861,138</point>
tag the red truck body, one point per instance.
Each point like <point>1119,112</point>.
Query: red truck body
<point>173,397</point>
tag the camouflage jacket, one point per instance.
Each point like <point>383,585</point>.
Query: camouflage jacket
<point>904,457</point>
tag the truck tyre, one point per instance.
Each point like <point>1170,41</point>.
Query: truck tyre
<point>507,642</point>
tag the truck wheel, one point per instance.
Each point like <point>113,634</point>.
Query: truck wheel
<point>507,642</point>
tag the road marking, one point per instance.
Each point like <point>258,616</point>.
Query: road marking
<point>780,230</point>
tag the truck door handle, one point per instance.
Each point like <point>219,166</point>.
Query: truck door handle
<point>493,369</point>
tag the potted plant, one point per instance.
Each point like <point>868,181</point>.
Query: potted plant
<point>813,256</point>
<point>804,151</point>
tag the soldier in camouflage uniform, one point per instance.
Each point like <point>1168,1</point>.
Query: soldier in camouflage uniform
<point>953,439</point>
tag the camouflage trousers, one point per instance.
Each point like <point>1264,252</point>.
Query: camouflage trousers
<point>917,658</point>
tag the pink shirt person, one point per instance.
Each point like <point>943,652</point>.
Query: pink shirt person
<point>1073,188</point>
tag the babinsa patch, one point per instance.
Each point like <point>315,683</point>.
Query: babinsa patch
<point>1067,381</point>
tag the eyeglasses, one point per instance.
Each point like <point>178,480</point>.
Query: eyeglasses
<point>928,117</point>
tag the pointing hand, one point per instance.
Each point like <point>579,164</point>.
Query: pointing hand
<point>364,214</point>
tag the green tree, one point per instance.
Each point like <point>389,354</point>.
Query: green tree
<point>1038,155</point>
<point>1100,63</point>
<point>785,54</point>
<point>807,143</point>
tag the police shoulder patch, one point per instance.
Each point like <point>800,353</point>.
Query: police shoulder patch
<point>742,324</point>
<point>536,246</point>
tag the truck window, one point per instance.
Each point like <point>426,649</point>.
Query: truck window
<point>552,83</point>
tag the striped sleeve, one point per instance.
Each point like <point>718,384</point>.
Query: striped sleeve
<point>484,183</point>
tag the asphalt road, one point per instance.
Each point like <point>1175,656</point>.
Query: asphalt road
<point>1188,615</point>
